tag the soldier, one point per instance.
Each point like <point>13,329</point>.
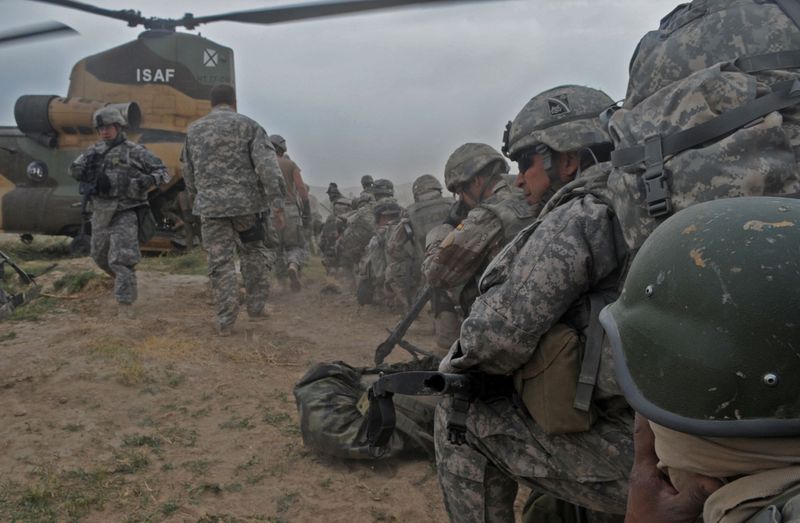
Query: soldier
<point>704,343</point>
<point>232,173</point>
<point>488,214</point>
<point>406,244</point>
<point>541,278</point>
<point>367,184</point>
<point>371,276</point>
<point>118,174</point>
<point>292,252</point>
<point>333,227</point>
<point>360,226</point>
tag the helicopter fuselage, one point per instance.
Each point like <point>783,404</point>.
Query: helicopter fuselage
<point>166,75</point>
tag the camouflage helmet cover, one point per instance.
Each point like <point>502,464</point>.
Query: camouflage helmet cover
<point>367,181</point>
<point>108,115</point>
<point>383,187</point>
<point>278,141</point>
<point>565,118</point>
<point>704,334</point>
<point>425,183</point>
<point>469,160</point>
<point>387,208</point>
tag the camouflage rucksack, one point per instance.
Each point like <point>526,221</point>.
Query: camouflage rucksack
<point>711,111</point>
<point>332,404</point>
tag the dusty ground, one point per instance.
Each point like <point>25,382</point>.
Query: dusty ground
<point>158,419</point>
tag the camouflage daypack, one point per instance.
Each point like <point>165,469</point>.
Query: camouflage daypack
<point>711,111</point>
<point>332,404</point>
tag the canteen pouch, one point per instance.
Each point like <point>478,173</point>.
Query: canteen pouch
<point>547,383</point>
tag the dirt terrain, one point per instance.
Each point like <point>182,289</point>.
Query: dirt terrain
<point>158,419</point>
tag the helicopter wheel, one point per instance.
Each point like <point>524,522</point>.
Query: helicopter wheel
<point>26,238</point>
<point>80,246</point>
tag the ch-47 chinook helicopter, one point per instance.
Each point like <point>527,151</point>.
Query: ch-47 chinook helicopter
<point>162,82</point>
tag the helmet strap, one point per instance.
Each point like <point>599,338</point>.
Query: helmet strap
<point>550,167</point>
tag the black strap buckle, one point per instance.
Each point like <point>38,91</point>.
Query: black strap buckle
<point>457,421</point>
<point>656,189</point>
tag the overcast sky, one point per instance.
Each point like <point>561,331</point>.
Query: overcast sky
<point>390,94</point>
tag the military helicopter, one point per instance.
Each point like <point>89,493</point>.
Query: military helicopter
<point>161,81</point>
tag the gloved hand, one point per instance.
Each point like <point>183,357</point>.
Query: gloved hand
<point>458,211</point>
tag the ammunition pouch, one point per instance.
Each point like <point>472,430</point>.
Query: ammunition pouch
<point>255,233</point>
<point>147,223</point>
<point>546,384</point>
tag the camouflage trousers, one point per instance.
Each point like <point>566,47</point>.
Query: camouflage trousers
<point>292,248</point>
<point>221,241</point>
<point>115,249</point>
<point>506,447</point>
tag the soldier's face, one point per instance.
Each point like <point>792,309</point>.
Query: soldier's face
<point>108,132</point>
<point>469,192</point>
<point>532,178</point>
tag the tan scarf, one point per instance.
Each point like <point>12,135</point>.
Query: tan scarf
<point>755,470</point>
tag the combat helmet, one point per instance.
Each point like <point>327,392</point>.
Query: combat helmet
<point>387,208</point>
<point>108,115</point>
<point>333,191</point>
<point>705,334</point>
<point>425,183</point>
<point>383,188</point>
<point>367,182</point>
<point>469,160</point>
<point>279,142</point>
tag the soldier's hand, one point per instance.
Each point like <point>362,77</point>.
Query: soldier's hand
<point>278,219</point>
<point>458,211</point>
<point>651,496</point>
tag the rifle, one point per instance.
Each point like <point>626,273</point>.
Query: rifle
<point>463,387</point>
<point>396,334</point>
<point>24,276</point>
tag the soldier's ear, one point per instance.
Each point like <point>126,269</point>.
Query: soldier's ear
<point>568,164</point>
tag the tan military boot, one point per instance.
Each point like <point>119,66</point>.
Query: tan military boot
<point>125,311</point>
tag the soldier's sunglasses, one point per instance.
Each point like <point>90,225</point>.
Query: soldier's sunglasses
<point>525,159</point>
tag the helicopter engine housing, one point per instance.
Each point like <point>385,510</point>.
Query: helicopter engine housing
<point>43,117</point>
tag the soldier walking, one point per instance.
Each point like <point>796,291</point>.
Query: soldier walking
<point>117,174</point>
<point>232,173</point>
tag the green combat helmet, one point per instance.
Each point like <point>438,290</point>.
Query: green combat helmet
<point>425,183</point>
<point>383,188</point>
<point>562,119</point>
<point>469,160</point>
<point>108,115</point>
<point>705,334</point>
<point>279,142</point>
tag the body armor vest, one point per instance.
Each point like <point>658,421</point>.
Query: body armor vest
<point>426,215</point>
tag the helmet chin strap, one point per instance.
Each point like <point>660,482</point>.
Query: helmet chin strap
<point>550,168</point>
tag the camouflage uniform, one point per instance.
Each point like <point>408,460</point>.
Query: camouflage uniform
<point>296,210</point>
<point>130,171</point>
<point>542,277</point>
<point>232,173</point>
<point>405,247</point>
<point>460,258</point>
<point>371,275</point>
<point>360,225</point>
<point>333,228</point>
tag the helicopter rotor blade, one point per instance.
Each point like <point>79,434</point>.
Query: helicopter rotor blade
<point>35,31</point>
<point>294,13</point>
<point>133,18</point>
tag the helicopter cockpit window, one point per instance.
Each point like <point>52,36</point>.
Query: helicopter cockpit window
<point>37,171</point>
